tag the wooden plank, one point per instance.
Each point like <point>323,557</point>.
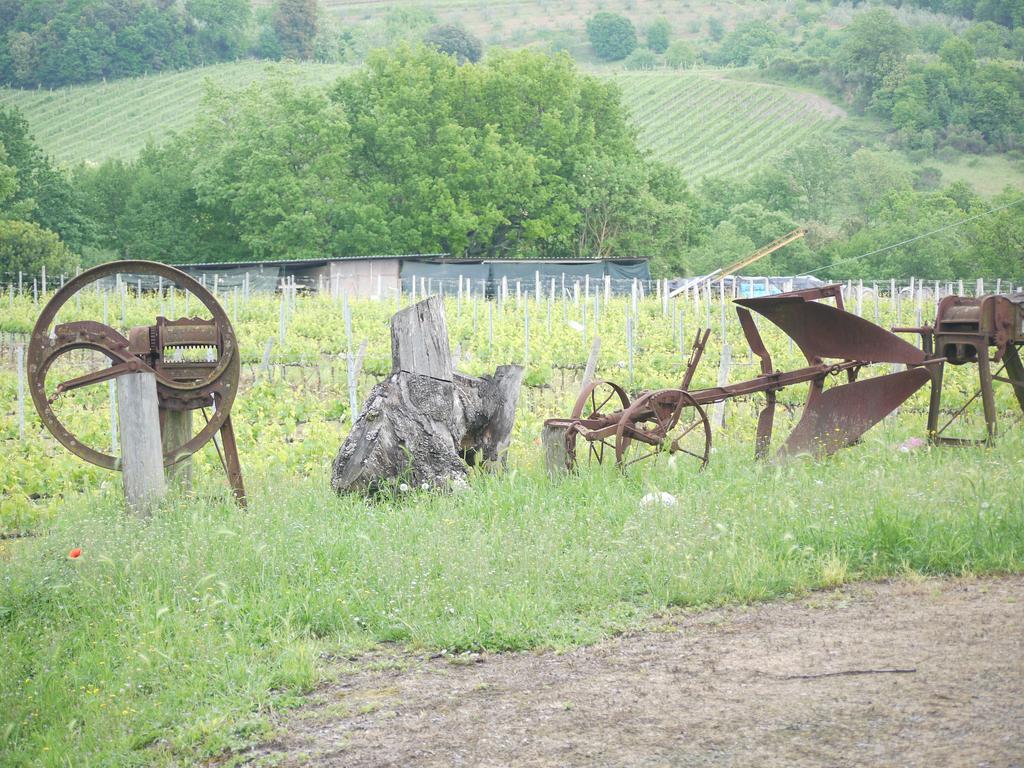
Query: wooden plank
<point>555,453</point>
<point>177,431</point>
<point>419,340</point>
<point>142,461</point>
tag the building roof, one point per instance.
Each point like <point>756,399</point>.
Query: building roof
<point>302,263</point>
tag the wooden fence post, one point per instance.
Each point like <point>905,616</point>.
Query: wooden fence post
<point>142,464</point>
<point>177,431</point>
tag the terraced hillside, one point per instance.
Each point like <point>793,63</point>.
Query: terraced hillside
<point>709,125</point>
<point>92,123</point>
<point>699,120</point>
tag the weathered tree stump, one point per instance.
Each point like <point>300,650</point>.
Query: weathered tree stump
<point>425,425</point>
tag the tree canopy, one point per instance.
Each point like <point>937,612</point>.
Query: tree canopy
<point>455,40</point>
<point>612,36</point>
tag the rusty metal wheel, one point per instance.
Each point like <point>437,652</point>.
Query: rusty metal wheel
<point>666,421</point>
<point>597,400</point>
<point>216,388</point>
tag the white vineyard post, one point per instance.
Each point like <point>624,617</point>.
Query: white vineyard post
<point>718,415</point>
<point>20,354</point>
<point>280,318</point>
<point>551,303</point>
<point>347,314</point>
<point>526,336</point>
<point>629,346</point>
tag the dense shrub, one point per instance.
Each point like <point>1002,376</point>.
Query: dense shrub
<point>681,55</point>
<point>456,41</point>
<point>612,36</point>
<point>658,35</point>
<point>641,59</point>
<point>27,247</point>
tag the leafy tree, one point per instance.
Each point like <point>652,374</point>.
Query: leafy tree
<point>296,24</point>
<point>874,174</point>
<point>414,152</point>
<point>999,238</point>
<point>27,247</point>
<point>988,39</point>
<point>681,55</point>
<point>813,171</point>
<point>222,27</point>
<point>930,36</point>
<point>958,55</point>
<point>872,46</point>
<point>455,40</point>
<point>612,36</point>
<point>641,58</point>
<point>747,43</point>
<point>658,34</point>
<point>43,195</point>
<point>56,42</point>
<point>716,29</point>
<point>8,181</point>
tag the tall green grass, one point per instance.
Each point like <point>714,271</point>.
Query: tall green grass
<point>171,639</point>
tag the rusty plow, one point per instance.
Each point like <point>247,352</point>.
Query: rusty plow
<point>837,345</point>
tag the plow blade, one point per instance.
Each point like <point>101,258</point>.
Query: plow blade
<point>823,331</point>
<point>837,417</point>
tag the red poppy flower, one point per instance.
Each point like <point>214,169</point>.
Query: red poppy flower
<point>76,552</point>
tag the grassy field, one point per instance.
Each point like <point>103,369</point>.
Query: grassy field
<point>172,640</point>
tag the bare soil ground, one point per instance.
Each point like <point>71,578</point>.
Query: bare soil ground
<point>793,683</point>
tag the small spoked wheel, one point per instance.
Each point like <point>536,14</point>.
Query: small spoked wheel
<point>664,422</point>
<point>586,440</point>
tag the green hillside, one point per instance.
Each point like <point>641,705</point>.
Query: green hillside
<point>698,120</point>
<point>92,123</point>
<point>709,125</point>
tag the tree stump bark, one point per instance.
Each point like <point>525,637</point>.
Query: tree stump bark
<point>425,425</point>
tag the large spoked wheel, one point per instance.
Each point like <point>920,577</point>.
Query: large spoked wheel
<point>592,443</point>
<point>217,387</point>
<point>667,421</point>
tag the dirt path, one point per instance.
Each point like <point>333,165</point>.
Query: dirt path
<point>720,688</point>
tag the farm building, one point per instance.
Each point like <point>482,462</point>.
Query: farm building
<point>383,275</point>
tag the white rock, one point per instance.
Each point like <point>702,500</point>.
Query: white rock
<point>660,497</point>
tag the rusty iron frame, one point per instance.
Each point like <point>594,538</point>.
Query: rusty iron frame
<point>965,330</point>
<point>834,342</point>
<point>181,386</point>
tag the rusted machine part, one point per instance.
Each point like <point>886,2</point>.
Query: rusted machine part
<point>664,421</point>
<point>825,332</point>
<point>589,421</point>
<point>700,341</point>
<point>181,386</point>
<point>834,342</point>
<point>837,417</point>
<point>965,330</point>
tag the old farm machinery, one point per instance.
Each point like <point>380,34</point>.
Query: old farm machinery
<point>837,344</point>
<point>965,331</point>
<point>195,362</point>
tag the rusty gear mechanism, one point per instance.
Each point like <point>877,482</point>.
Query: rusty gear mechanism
<point>182,385</point>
